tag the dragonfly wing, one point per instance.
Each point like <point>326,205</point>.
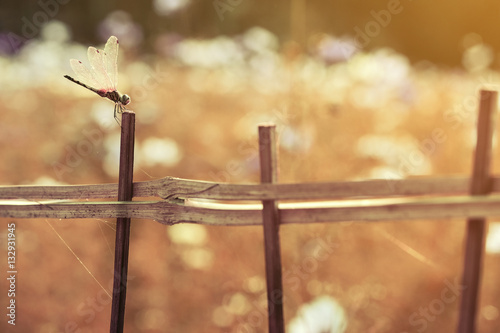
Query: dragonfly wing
<point>96,59</point>
<point>111,60</point>
<point>83,74</point>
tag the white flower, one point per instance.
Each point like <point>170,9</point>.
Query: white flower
<point>323,315</point>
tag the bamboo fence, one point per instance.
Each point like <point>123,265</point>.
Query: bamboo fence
<point>172,200</point>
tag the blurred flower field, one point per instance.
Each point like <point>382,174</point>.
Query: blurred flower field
<point>341,114</point>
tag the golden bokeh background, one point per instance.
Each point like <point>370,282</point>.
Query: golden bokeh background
<point>386,89</point>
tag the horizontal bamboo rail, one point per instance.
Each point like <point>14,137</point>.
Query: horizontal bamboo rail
<point>170,187</point>
<point>223,214</point>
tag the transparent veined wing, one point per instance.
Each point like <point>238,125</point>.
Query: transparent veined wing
<point>96,59</point>
<point>111,61</point>
<point>84,74</point>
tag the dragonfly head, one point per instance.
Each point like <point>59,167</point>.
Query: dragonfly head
<point>124,99</point>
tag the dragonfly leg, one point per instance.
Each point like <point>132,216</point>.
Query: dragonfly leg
<point>117,111</point>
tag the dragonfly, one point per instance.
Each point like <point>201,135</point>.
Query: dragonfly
<point>102,77</point>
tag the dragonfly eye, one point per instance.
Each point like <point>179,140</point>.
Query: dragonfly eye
<point>125,99</point>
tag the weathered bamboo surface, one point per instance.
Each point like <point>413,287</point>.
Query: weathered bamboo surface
<point>477,227</point>
<point>223,214</point>
<point>171,187</point>
<point>268,157</point>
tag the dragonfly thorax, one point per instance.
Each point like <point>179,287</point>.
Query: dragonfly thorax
<point>116,97</point>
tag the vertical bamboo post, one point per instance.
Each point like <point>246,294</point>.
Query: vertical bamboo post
<point>123,224</point>
<point>271,222</point>
<point>476,227</point>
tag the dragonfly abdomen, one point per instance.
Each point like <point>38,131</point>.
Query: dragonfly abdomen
<point>99,92</point>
